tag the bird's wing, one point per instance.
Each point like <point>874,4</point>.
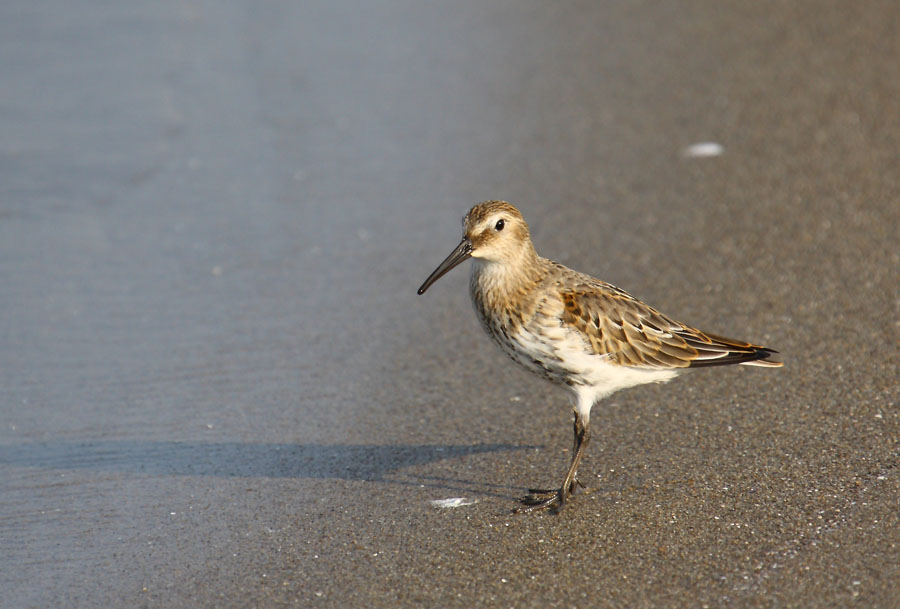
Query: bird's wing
<point>632,333</point>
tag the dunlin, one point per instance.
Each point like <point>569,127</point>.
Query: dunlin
<point>572,329</point>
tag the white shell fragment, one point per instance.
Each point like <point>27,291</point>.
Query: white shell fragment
<point>453,502</point>
<point>704,149</point>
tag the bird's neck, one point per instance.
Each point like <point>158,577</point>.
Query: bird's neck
<point>496,283</point>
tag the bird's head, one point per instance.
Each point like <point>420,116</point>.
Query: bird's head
<point>493,231</point>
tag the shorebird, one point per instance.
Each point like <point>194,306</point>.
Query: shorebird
<point>572,329</point>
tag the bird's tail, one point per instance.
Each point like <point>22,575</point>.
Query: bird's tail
<point>717,350</point>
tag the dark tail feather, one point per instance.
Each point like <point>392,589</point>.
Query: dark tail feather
<point>722,351</point>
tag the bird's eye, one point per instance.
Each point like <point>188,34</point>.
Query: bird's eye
<point>499,225</point>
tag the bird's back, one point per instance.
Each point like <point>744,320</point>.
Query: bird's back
<point>574,329</point>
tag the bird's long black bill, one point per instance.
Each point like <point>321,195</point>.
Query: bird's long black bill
<point>460,254</point>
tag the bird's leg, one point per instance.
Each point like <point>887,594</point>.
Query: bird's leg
<point>582,437</point>
<point>576,439</point>
<point>538,499</point>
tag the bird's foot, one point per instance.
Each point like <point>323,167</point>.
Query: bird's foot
<point>576,484</point>
<point>533,502</point>
<point>543,499</point>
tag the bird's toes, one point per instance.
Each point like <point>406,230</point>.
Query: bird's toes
<point>540,500</point>
<point>541,492</point>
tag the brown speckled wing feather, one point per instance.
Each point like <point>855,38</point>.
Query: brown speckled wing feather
<point>632,333</point>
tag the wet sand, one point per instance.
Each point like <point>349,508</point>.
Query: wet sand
<point>219,388</point>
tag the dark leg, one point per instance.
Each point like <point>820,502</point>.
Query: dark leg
<point>576,439</point>
<point>539,500</point>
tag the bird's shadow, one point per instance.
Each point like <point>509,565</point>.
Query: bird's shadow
<point>366,462</point>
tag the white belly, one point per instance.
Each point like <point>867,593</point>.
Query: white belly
<point>563,357</point>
